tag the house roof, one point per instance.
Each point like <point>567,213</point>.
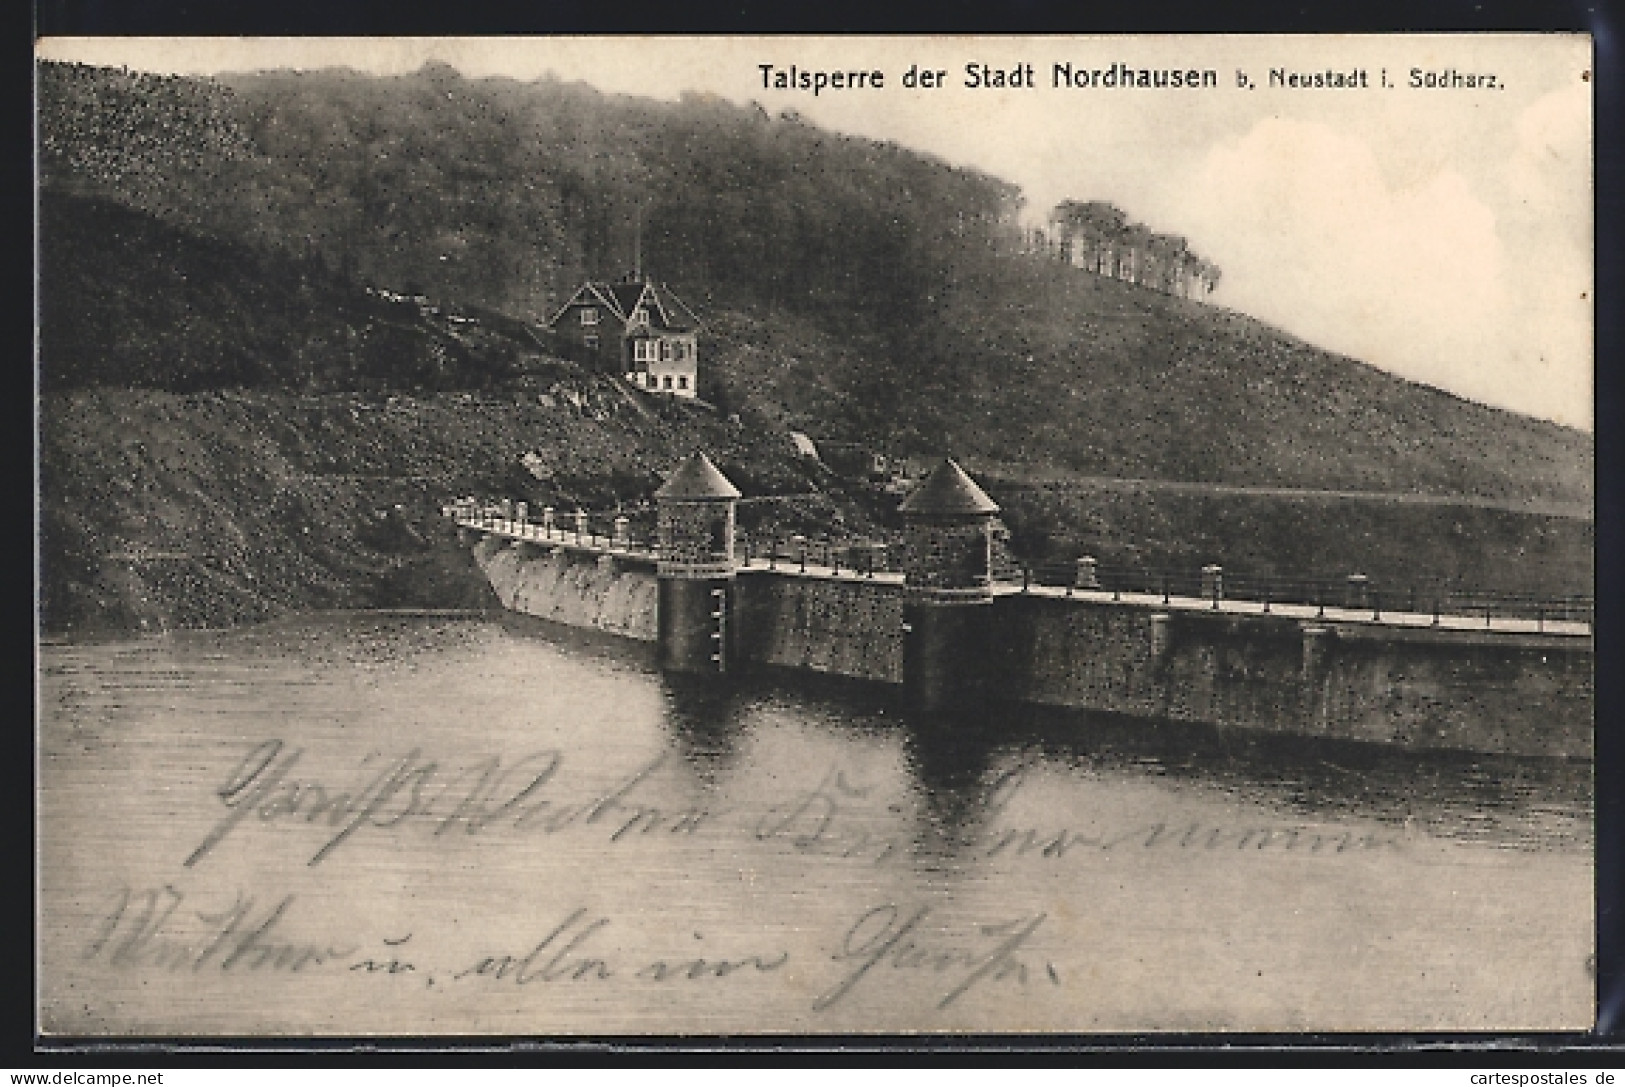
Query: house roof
<point>948,490</point>
<point>588,293</point>
<point>697,478</point>
<point>667,312</point>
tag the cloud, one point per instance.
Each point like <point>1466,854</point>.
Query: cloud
<point>1548,223</point>
<point>1414,279</point>
<point>1551,168</point>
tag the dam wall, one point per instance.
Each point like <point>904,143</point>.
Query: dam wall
<point>843,627</point>
<point>1520,693</point>
<point>613,593</point>
<point>819,624</point>
<point>1514,693</point>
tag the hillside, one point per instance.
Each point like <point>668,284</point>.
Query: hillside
<point>228,433</point>
<point>127,299</point>
<point>227,269</point>
<point>891,286</point>
<point>1046,367</point>
<point>167,509</point>
<point>507,194</point>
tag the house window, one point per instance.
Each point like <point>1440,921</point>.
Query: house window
<point>641,351</point>
<point>589,316</point>
<point>682,381</point>
<point>649,379</point>
<point>665,382</point>
<point>640,316</point>
<point>665,350</point>
<point>591,342</point>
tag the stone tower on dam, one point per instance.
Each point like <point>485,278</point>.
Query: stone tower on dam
<point>696,567</point>
<point>948,588</point>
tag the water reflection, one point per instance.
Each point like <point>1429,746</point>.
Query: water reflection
<point>705,718</point>
<point>954,759</point>
<point>1504,800</point>
<point>962,765</point>
<point>955,768</point>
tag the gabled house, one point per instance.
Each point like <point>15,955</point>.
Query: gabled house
<point>636,328</point>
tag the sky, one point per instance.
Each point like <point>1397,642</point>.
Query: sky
<point>1440,233</point>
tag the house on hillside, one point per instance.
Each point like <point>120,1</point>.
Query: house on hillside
<point>636,328</point>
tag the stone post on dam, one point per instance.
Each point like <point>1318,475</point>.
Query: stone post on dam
<point>948,589</point>
<point>696,567</point>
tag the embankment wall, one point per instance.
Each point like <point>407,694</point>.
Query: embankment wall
<point>1522,694</point>
<point>614,594</point>
<point>845,628</point>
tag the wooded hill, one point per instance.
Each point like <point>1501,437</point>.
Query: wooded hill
<point>890,286</point>
<point>1102,239</point>
<point>856,289</point>
<point>206,239</point>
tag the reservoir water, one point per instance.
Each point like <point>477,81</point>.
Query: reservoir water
<point>362,824</point>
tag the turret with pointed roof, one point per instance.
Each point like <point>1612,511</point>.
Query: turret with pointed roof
<point>948,588</point>
<point>695,507</point>
<point>948,539</point>
<point>949,492</point>
<point>697,479</point>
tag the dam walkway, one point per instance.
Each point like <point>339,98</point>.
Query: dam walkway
<point>1564,618</point>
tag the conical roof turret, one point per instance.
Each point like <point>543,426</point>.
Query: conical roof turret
<point>948,491</point>
<point>698,479</point>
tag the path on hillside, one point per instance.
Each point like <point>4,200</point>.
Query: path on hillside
<point>995,475</point>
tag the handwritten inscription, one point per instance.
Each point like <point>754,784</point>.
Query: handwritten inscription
<point>564,954</point>
<point>414,789</point>
<point>887,937</point>
<point>831,819</point>
<point>149,928</point>
<point>389,963</point>
<point>559,954</point>
<point>272,787</point>
<point>157,928</point>
<point>828,820</point>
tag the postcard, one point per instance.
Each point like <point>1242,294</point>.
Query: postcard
<point>677,536</point>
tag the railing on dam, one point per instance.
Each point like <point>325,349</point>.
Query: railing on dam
<point>1351,598</point>
<point>591,531</point>
<point>634,534</point>
<point>820,555</point>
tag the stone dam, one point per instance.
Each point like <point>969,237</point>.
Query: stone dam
<point>948,636</point>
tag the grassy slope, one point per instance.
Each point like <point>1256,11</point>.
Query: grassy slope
<point>1049,368</point>
<point>130,299</point>
<point>270,501</point>
<point>1398,546</point>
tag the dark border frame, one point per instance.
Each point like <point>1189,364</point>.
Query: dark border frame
<point>504,17</point>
